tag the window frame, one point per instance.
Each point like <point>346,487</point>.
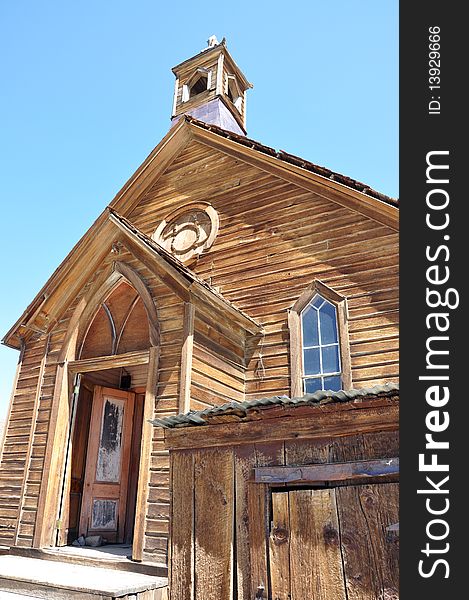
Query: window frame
<point>237,96</point>
<point>186,88</point>
<point>296,339</point>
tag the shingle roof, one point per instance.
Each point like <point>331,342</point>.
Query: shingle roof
<point>296,160</point>
<point>241,409</point>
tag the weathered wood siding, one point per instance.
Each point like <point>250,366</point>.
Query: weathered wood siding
<point>22,465</point>
<point>221,536</point>
<point>26,428</point>
<point>215,378</point>
<point>185,73</point>
<point>274,240</point>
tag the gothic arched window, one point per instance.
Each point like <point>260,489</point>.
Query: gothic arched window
<point>199,86</point>
<point>319,347</point>
<point>199,82</point>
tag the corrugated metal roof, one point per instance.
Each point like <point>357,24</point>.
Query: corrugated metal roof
<point>242,408</point>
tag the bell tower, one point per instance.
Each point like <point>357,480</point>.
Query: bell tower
<point>211,87</point>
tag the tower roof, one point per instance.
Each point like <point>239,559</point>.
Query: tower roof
<point>219,47</point>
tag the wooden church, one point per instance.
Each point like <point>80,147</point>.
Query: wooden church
<point>209,379</point>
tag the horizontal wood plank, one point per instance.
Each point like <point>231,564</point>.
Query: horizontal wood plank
<point>328,472</point>
<point>320,423</point>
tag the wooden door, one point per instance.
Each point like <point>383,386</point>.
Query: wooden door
<point>107,465</point>
<point>332,544</point>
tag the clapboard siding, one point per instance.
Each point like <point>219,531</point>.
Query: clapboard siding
<point>215,379</point>
<point>17,449</point>
<point>40,429</point>
<point>170,311</point>
<point>22,467</point>
<point>274,240</point>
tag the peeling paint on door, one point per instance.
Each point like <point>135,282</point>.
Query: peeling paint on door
<point>104,514</point>
<point>110,444</point>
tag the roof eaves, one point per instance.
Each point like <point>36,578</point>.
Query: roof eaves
<point>175,135</point>
<point>34,307</point>
<point>296,161</point>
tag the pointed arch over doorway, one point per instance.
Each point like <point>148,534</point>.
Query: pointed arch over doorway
<point>121,304</point>
<point>121,301</point>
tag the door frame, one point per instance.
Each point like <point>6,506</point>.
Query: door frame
<point>91,486</point>
<point>265,479</point>
<point>51,531</point>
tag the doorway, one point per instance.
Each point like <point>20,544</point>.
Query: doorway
<point>104,459</point>
<point>112,341</point>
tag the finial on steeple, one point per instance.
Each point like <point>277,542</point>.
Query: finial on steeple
<point>212,41</point>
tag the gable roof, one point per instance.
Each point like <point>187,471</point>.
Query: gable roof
<point>195,283</point>
<point>295,160</point>
<point>184,282</point>
<point>217,49</point>
<point>323,182</point>
<point>42,312</point>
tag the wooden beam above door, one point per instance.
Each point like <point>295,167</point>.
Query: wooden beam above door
<point>100,363</point>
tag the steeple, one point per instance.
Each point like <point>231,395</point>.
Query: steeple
<point>211,87</point>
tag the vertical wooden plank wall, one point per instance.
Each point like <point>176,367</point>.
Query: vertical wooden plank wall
<point>219,531</point>
<point>210,517</point>
<point>181,553</point>
<point>213,522</point>
<point>365,511</point>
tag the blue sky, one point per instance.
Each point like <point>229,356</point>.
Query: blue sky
<point>87,90</point>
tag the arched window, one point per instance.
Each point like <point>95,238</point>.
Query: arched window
<point>199,82</point>
<point>319,346</point>
<point>119,325</point>
<point>199,86</point>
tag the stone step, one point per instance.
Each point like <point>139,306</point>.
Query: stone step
<point>38,578</point>
<point>12,596</point>
<point>92,558</point>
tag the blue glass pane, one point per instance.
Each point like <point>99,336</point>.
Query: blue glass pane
<point>310,327</point>
<point>317,301</point>
<point>312,385</point>
<point>311,361</point>
<point>327,318</point>
<point>330,359</point>
<point>333,383</point>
